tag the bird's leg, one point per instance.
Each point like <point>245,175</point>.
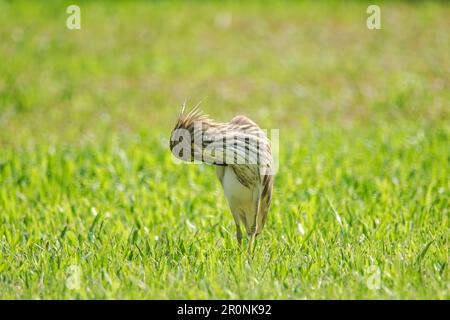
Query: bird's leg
<point>252,233</point>
<point>250,243</point>
<point>235,213</point>
<point>238,234</point>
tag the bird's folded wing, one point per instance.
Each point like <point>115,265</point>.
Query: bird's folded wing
<point>236,149</point>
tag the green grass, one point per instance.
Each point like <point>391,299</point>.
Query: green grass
<point>87,180</point>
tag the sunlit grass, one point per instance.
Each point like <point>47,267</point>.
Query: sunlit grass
<point>86,178</point>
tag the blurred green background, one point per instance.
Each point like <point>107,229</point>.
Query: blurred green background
<point>86,178</point>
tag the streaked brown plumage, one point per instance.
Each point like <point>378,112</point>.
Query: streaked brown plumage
<point>242,155</point>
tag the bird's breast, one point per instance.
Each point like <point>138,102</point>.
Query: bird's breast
<point>233,189</point>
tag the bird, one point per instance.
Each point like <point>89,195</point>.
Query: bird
<point>241,152</point>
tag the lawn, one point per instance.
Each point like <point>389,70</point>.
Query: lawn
<point>93,206</point>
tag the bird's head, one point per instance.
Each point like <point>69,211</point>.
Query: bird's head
<point>182,136</point>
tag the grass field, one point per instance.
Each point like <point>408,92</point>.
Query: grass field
<point>92,205</point>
